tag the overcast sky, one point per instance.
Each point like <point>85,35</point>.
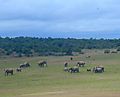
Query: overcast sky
<point>60,18</point>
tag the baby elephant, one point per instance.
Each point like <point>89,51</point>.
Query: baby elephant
<point>18,69</point>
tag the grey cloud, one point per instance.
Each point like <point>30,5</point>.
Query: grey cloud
<point>59,15</point>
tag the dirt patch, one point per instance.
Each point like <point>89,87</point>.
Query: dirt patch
<point>74,94</point>
<point>42,94</point>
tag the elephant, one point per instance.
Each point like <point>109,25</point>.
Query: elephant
<point>18,69</point>
<point>8,71</point>
<point>42,64</point>
<point>99,69</point>
<point>81,63</point>
<point>24,65</point>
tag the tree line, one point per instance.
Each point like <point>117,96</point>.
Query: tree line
<point>30,46</point>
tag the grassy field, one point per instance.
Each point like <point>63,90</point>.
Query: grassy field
<point>54,82</point>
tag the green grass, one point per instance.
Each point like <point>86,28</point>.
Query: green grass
<point>53,78</point>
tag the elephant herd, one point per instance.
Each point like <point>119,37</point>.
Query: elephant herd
<point>10,71</point>
<point>76,68</point>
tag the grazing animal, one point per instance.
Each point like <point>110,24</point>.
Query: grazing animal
<point>88,69</point>
<point>66,64</point>
<point>26,64</point>
<point>22,65</point>
<point>42,64</point>
<point>8,71</point>
<point>18,69</point>
<point>75,69</point>
<point>99,69</point>
<point>81,63</point>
